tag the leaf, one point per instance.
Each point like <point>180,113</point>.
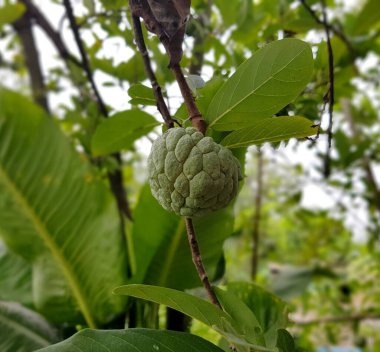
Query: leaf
<point>367,17</point>
<point>285,342</point>
<point>23,330</point>
<point>121,130</point>
<point>141,94</point>
<point>51,204</point>
<point>272,78</point>
<point>132,70</point>
<point>134,340</point>
<point>192,306</point>
<point>242,315</point>
<point>274,129</point>
<point>15,277</point>
<point>270,311</point>
<point>161,245</point>
<point>10,13</point>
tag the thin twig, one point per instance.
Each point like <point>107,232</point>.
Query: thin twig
<point>161,105</point>
<point>330,94</point>
<point>257,215</point>
<point>197,260</point>
<point>54,36</point>
<point>85,62</point>
<point>344,319</point>
<point>116,177</point>
<point>332,28</point>
<point>331,91</point>
<point>195,116</point>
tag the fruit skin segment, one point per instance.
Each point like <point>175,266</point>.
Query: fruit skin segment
<point>190,174</point>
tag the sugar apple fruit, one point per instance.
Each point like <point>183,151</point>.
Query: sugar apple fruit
<point>190,174</point>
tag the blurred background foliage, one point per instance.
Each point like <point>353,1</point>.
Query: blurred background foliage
<point>316,233</point>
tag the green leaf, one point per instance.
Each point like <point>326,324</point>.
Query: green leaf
<point>141,94</point>
<point>52,205</point>
<point>15,277</point>
<point>274,129</point>
<point>134,340</point>
<point>272,78</point>
<point>132,70</point>
<point>270,311</point>
<point>242,315</point>
<point>285,342</point>
<point>161,245</point>
<point>121,130</point>
<point>10,13</point>
<point>23,330</point>
<point>192,306</point>
<point>367,17</point>
<point>196,308</point>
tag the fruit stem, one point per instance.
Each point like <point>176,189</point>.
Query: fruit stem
<point>161,105</point>
<point>195,116</point>
<point>197,260</point>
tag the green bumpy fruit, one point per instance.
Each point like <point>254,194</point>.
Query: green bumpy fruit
<point>190,174</point>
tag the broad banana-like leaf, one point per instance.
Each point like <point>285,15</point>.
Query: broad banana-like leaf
<point>53,206</point>
<point>23,330</point>
<point>15,277</point>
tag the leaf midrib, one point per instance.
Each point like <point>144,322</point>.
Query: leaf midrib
<point>254,91</point>
<point>56,253</point>
<point>26,332</point>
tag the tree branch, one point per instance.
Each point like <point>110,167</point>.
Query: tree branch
<point>330,94</point>
<point>332,28</point>
<point>331,97</point>
<point>344,319</point>
<point>23,27</point>
<point>197,260</point>
<point>50,32</point>
<point>161,105</point>
<point>257,215</point>
<point>116,177</point>
<point>85,62</point>
<point>195,116</point>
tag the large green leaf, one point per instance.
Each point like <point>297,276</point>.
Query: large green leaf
<point>23,330</point>
<point>226,324</point>
<point>51,204</point>
<point>190,305</point>
<point>271,130</point>
<point>121,130</point>
<point>272,78</point>
<point>242,315</point>
<point>134,340</point>
<point>270,311</point>
<point>15,277</point>
<point>161,245</point>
